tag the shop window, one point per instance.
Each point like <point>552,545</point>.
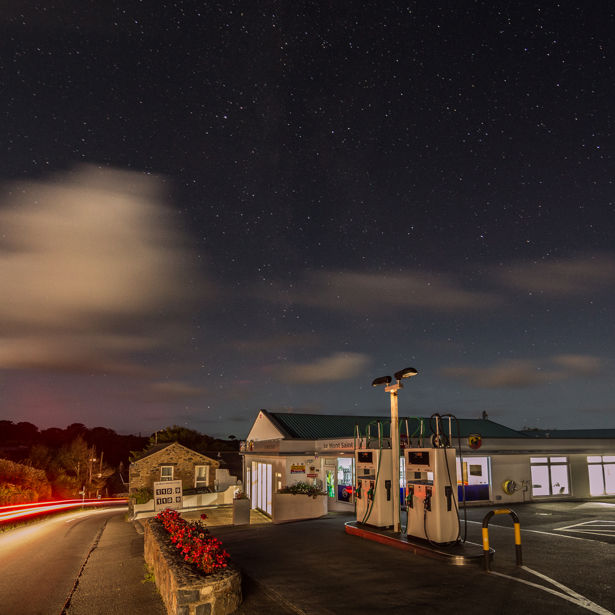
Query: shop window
<point>201,476</point>
<point>549,476</point>
<point>262,483</point>
<point>166,472</point>
<point>344,478</point>
<point>473,479</point>
<point>601,469</point>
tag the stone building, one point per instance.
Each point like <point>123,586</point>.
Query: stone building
<point>172,462</point>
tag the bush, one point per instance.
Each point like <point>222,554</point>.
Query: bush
<point>303,488</point>
<point>142,495</point>
<point>21,484</point>
<point>194,541</point>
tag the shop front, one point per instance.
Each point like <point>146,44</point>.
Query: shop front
<point>338,471</point>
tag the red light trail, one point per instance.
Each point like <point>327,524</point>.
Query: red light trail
<point>17,512</point>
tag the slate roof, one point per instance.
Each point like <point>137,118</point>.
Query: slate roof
<point>325,426</point>
<point>156,448</point>
<point>570,433</point>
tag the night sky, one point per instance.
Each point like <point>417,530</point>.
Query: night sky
<point>211,208</point>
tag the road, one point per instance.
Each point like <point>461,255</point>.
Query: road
<point>90,558</point>
<point>315,568</point>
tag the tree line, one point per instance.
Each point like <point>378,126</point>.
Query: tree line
<point>78,461</point>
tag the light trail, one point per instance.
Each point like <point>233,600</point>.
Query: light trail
<point>17,512</point>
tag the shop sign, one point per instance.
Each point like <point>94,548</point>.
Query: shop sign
<point>168,494</point>
<point>337,445</point>
<point>475,441</point>
<point>312,475</point>
<point>297,468</point>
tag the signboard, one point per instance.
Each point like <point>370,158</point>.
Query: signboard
<point>168,494</point>
<point>336,445</point>
<point>474,441</point>
<point>297,468</point>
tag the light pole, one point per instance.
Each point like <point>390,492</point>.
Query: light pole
<point>393,389</point>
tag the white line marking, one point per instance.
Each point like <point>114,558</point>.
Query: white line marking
<point>569,596</point>
<point>597,527</point>
<point>503,527</point>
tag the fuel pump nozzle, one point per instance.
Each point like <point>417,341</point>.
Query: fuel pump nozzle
<point>410,498</point>
<point>427,501</point>
<point>370,492</point>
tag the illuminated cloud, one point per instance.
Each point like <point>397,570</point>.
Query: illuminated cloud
<point>579,363</point>
<point>339,366</point>
<point>525,373</point>
<point>91,272</point>
<point>175,389</point>
<point>355,291</point>
<point>563,277</point>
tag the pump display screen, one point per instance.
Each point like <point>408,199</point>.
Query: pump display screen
<point>364,457</point>
<point>418,458</point>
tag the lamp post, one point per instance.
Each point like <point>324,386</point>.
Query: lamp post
<point>393,389</point>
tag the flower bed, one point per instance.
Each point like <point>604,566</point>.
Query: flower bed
<point>197,546</point>
<point>192,570</point>
<point>303,488</point>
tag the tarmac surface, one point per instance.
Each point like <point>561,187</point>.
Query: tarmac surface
<point>113,579</point>
<point>315,568</point>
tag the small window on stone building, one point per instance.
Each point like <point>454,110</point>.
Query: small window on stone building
<point>166,472</point>
<point>201,476</point>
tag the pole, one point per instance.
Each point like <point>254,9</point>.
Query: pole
<point>395,454</point>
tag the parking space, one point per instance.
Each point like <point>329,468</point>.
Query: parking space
<point>314,567</point>
<point>586,520</point>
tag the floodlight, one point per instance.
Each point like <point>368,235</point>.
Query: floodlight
<point>405,373</point>
<point>381,380</point>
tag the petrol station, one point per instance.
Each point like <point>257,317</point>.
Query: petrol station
<point>440,463</point>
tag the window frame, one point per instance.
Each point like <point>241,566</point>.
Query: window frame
<point>164,467</point>
<point>548,462</point>
<point>200,483</point>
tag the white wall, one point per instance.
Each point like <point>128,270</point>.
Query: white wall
<point>510,467</point>
<point>264,429</point>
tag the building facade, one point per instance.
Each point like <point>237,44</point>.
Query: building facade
<point>172,462</point>
<point>495,464</point>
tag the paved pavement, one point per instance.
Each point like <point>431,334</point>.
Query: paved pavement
<point>113,578</point>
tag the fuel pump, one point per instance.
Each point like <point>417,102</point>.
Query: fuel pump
<point>374,489</point>
<point>431,494</point>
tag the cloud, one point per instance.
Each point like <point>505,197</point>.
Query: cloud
<point>91,272</point>
<point>176,389</point>
<point>525,373</point>
<point>353,291</point>
<point>339,366</point>
<point>563,277</point>
<point>580,364</point>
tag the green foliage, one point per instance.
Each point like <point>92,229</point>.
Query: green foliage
<point>149,576</point>
<point>190,438</point>
<point>303,488</point>
<point>71,467</point>
<point>142,495</point>
<point>21,483</point>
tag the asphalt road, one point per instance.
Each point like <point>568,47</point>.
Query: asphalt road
<point>39,563</point>
<point>82,563</point>
<point>314,568</point>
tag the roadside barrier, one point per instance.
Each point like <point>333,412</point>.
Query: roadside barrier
<point>517,526</point>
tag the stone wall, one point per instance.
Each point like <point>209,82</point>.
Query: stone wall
<point>144,472</point>
<point>185,590</point>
